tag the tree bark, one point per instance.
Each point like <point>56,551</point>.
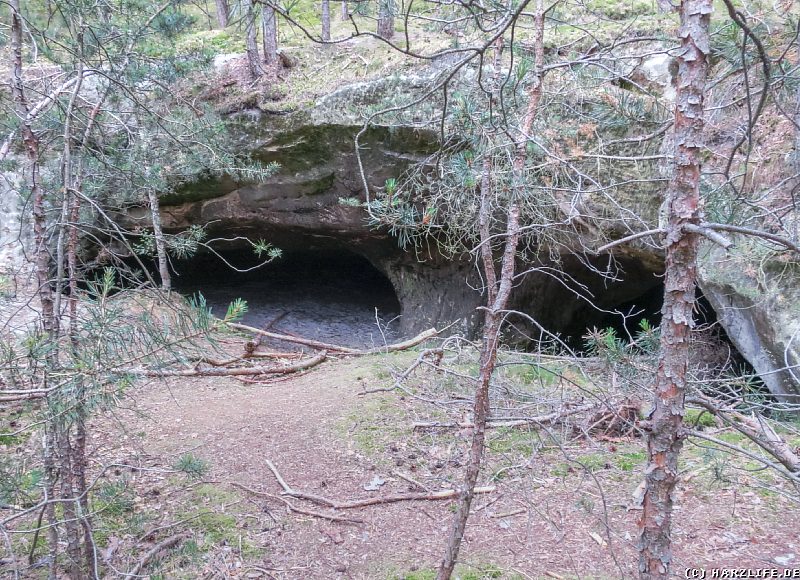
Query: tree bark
<point>250,40</point>
<point>498,292</point>
<point>326,20</point>
<point>269,30</point>
<point>345,11</point>
<point>664,429</point>
<point>386,18</point>
<point>31,142</point>
<point>222,13</point>
<point>161,244</point>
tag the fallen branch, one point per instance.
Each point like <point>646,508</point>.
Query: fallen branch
<point>298,494</point>
<point>242,371</point>
<point>426,496</point>
<point>421,337</point>
<point>497,422</point>
<point>405,345</point>
<point>294,508</point>
<point>297,340</point>
<point>164,545</point>
<point>758,430</point>
<point>250,347</point>
<point>225,362</point>
<point>399,380</point>
<point>22,396</point>
<point>512,513</point>
<point>468,425</point>
<point>411,480</point>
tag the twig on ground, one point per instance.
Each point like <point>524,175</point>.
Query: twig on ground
<point>163,545</point>
<point>427,496</point>
<point>421,337</point>
<point>515,512</point>
<point>411,480</point>
<point>294,508</point>
<point>240,371</point>
<point>504,421</point>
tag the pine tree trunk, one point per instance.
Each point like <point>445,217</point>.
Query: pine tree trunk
<point>250,40</point>
<point>326,20</point>
<point>68,504</point>
<point>269,30</point>
<point>665,435</point>
<point>222,13</point>
<point>498,292</point>
<point>386,18</point>
<point>50,479</point>
<point>345,11</point>
<point>161,244</point>
<point>31,142</point>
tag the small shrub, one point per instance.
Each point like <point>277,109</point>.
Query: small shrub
<point>192,466</point>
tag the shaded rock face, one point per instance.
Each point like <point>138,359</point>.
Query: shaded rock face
<point>299,210</point>
<point>758,305</point>
<point>13,236</point>
<point>579,298</point>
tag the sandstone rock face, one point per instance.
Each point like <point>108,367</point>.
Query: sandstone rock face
<point>309,203</point>
<point>14,235</point>
<point>757,299</point>
<point>301,207</point>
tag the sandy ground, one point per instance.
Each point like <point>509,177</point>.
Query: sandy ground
<point>542,521</point>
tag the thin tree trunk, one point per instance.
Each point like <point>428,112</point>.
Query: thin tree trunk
<point>269,30</point>
<point>161,244</point>
<point>796,161</point>
<point>251,42</point>
<point>68,504</point>
<point>31,142</point>
<point>386,18</point>
<point>50,479</point>
<point>222,13</point>
<point>326,20</point>
<point>664,431</point>
<point>345,11</point>
<point>498,293</point>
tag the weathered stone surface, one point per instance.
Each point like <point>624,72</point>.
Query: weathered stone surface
<point>300,205</point>
<point>12,233</point>
<point>757,299</point>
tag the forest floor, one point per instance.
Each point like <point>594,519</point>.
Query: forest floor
<point>563,506</point>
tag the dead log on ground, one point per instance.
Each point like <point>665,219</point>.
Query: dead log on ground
<point>404,345</point>
<point>426,496</point>
<point>294,508</point>
<point>242,371</point>
<point>497,422</point>
<point>164,545</point>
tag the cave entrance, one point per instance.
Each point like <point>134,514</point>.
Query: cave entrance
<point>600,293</point>
<point>628,317</point>
<point>332,295</point>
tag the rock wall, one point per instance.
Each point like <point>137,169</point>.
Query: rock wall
<point>301,204</point>
<point>14,236</point>
<point>757,299</point>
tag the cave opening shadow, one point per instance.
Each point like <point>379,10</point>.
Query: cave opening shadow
<point>330,295</point>
<point>713,354</point>
<point>628,317</point>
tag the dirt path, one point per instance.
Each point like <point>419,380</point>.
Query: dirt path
<point>547,518</point>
